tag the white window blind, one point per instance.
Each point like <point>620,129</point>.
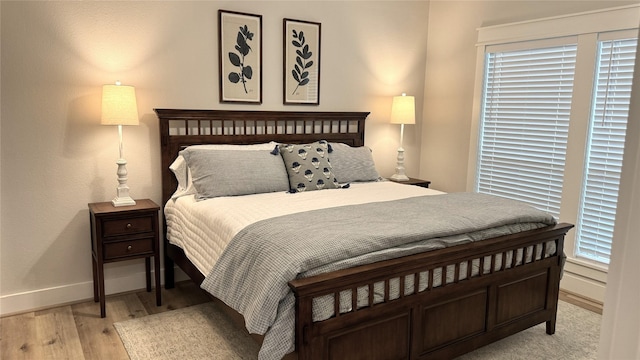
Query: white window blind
<point>525,123</point>
<point>605,148</point>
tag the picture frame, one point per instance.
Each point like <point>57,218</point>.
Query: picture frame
<point>301,62</point>
<point>240,57</point>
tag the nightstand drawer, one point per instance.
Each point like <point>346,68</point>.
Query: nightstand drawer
<point>127,226</point>
<point>120,249</point>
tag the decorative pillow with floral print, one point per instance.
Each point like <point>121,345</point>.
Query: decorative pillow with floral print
<point>308,166</point>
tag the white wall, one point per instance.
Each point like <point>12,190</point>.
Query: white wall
<point>56,157</point>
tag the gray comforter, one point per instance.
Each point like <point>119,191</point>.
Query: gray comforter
<point>252,274</point>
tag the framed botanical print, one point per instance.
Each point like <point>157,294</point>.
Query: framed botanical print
<point>240,63</point>
<point>301,62</point>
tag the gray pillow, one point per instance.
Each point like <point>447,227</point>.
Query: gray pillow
<point>308,166</point>
<point>351,164</point>
<point>228,173</point>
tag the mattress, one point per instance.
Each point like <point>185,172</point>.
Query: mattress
<point>204,228</point>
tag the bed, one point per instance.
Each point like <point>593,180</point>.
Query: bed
<point>434,304</point>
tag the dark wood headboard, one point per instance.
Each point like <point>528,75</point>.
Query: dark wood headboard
<point>181,128</point>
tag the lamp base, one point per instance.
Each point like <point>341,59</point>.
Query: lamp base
<point>126,201</point>
<point>399,177</point>
<point>122,192</point>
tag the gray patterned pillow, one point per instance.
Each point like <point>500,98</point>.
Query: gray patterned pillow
<point>308,166</point>
<point>229,173</point>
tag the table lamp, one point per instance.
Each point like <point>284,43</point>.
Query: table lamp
<point>403,111</point>
<point>119,108</point>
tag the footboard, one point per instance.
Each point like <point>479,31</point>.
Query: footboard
<point>435,305</point>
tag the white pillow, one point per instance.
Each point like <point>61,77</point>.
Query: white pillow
<point>183,174</point>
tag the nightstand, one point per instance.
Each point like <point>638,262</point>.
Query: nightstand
<point>416,182</point>
<point>124,233</point>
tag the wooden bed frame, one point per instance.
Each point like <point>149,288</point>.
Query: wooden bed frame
<point>441,322</point>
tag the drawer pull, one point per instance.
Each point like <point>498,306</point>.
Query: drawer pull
<point>129,248</point>
<point>129,226</point>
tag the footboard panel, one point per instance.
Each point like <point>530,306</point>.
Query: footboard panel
<point>376,331</point>
<point>435,305</point>
<point>448,321</point>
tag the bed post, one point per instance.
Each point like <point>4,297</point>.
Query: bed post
<point>554,287</point>
<point>169,271</point>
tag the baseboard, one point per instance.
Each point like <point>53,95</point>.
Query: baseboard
<point>581,301</point>
<point>41,299</point>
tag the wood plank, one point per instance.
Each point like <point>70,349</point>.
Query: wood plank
<point>19,337</point>
<point>97,335</point>
<point>57,334</point>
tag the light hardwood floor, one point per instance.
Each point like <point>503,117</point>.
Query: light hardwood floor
<point>77,331</point>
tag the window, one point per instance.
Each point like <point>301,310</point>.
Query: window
<point>552,101</point>
<point>525,124</point>
<point>605,148</point>
<point>524,128</point>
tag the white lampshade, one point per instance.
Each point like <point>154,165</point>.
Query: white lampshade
<point>403,110</point>
<point>119,105</point>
